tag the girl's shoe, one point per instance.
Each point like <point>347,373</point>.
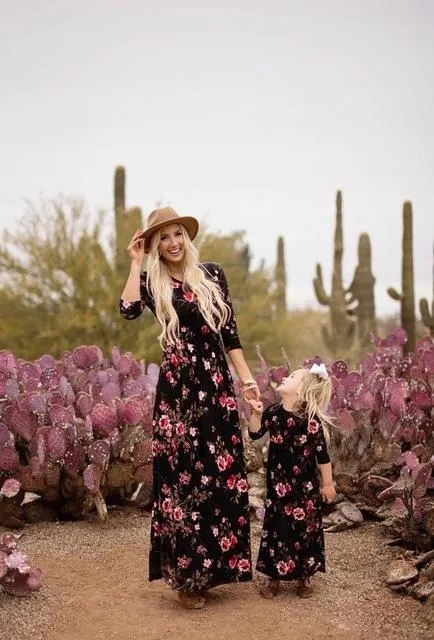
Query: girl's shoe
<point>304,589</point>
<point>191,600</point>
<point>270,590</point>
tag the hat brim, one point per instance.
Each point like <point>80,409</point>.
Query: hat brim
<point>190,224</point>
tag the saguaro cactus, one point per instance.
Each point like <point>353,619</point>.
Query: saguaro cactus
<point>427,317</point>
<point>362,291</point>
<point>341,335</point>
<point>280,279</point>
<point>406,297</point>
<point>127,221</point>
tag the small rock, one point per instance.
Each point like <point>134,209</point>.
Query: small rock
<point>401,571</point>
<point>423,589</point>
<point>350,512</point>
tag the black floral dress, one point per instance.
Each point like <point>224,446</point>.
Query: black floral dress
<point>200,535</point>
<point>292,542</point>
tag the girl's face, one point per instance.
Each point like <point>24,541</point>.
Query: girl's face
<point>171,246</point>
<point>289,385</point>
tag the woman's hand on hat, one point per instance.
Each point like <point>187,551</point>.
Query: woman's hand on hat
<point>136,247</point>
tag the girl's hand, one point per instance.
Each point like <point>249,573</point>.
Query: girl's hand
<point>328,493</point>
<point>256,405</point>
<point>136,248</point>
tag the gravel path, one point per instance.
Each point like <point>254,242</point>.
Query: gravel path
<point>95,587</point>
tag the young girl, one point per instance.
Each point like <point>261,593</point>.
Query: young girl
<point>292,542</point>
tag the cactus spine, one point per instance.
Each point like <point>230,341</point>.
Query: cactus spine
<point>427,317</point>
<point>362,291</point>
<point>406,297</point>
<point>340,337</point>
<point>280,279</point>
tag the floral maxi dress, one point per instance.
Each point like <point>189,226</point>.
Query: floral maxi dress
<point>292,541</point>
<point>200,534</point>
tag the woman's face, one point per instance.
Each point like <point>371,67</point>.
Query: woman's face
<point>171,246</point>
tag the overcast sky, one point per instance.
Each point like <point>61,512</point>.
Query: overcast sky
<point>245,113</point>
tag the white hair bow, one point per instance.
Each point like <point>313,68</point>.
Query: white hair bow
<point>319,370</point>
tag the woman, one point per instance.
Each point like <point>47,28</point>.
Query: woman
<point>200,520</point>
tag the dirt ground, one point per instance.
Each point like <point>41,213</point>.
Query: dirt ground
<point>95,587</point>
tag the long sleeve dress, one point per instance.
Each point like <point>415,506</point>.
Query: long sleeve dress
<point>200,534</point>
<point>292,541</point>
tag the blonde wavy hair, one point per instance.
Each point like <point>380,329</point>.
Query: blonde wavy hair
<point>208,294</point>
<point>314,395</point>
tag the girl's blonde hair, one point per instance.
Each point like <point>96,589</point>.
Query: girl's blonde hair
<point>314,395</point>
<point>208,294</point>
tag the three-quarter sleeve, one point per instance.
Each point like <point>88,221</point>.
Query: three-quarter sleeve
<point>133,309</point>
<point>229,330</point>
<point>265,423</point>
<point>315,428</point>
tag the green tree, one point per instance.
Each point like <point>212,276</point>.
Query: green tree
<point>59,285</point>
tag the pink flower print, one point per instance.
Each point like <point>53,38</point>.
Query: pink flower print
<point>290,565</point>
<point>225,544</point>
<point>307,452</point>
<point>281,489</point>
<point>231,481</point>
<point>184,562</point>
<point>277,439</point>
<point>309,507</point>
<point>223,400</point>
<point>180,429</point>
<point>174,360</point>
<point>313,426</point>
<point>241,521</point>
<point>295,470</point>
<point>217,378</point>
<point>178,513</point>
<point>231,404</point>
<point>235,439</point>
<point>299,513</point>
<point>234,540</point>
<point>207,563</point>
<point>229,460</point>
<point>188,296</point>
<point>169,376</point>
<point>290,422</point>
<point>288,509</point>
<point>221,463</point>
<point>205,329</point>
<point>164,407</point>
<point>184,477</point>
<point>163,422</point>
<point>243,565</point>
<point>282,568</point>
<point>233,561</point>
<point>242,485</point>
<point>167,505</point>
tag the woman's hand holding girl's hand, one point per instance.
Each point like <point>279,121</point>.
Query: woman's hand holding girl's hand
<point>328,493</point>
<point>256,405</point>
<point>250,390</point>
<point>136,248</point>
